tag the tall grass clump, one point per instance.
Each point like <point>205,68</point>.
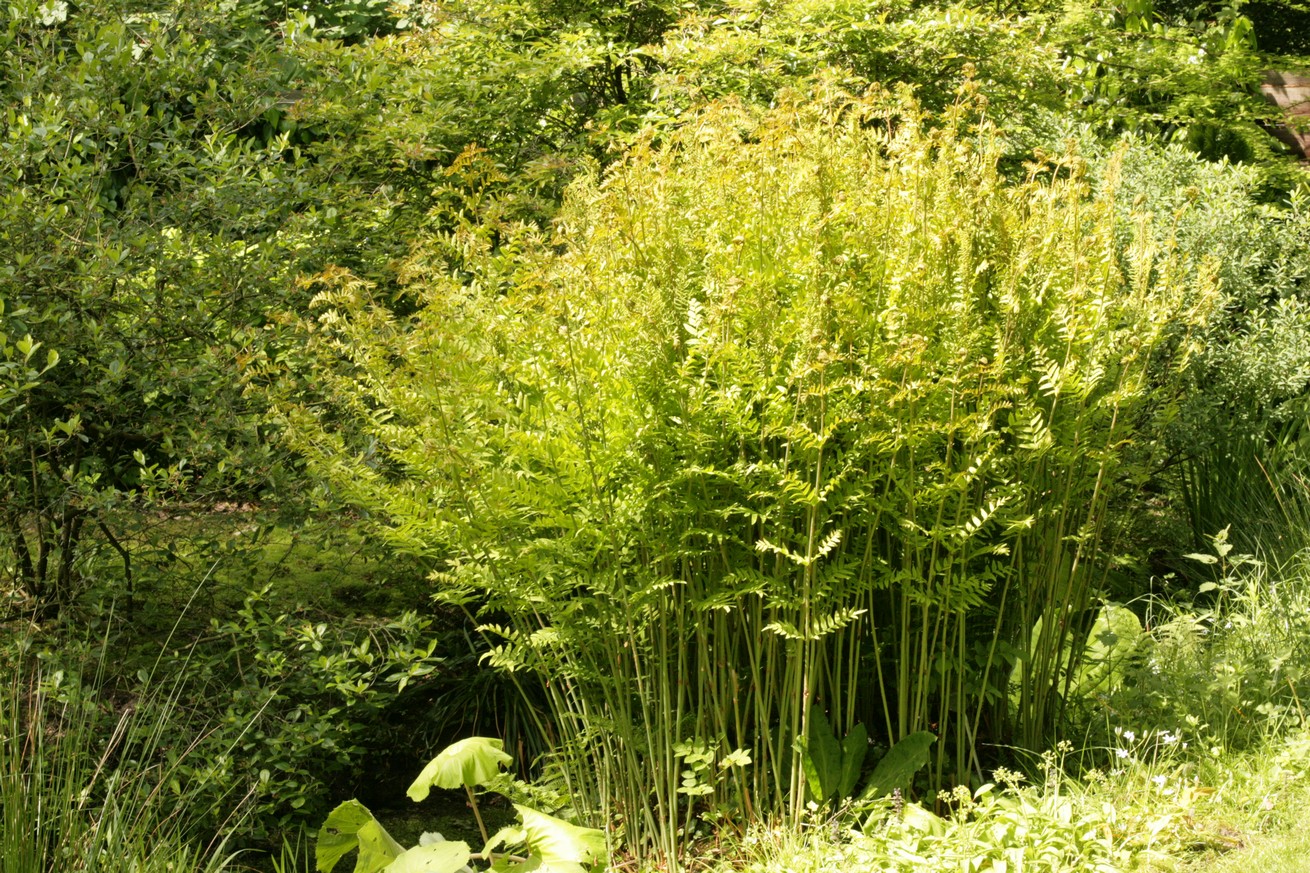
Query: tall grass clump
<point>79,792</point>
<point>795,427</point>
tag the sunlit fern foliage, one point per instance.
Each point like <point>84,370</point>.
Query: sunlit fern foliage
<point>804,409</point>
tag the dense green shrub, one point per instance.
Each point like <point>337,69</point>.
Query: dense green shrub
<point>1190,76</point>
<point>141,196</point>
<point>283,711</point>
<point>1232,453</point>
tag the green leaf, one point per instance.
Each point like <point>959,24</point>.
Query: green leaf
<point>352,826</point>
<point>736,758</point>
<point>337,836</point>
<point>899,765</point>
<point>377,849</point>
<point>919,819</point>
<point>443,857</point>
<point>853,750</point>
<point>821,757</point>
<point>1114,638</point>
<point>467,763</point>
<point>506,836</point>
<point>562,847</point>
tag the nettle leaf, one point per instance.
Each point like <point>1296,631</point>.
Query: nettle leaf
<point>562,847</point>
<point>464,764</point>
<point>352,826</point>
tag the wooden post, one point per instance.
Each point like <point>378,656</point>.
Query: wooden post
<point>1290,92</point>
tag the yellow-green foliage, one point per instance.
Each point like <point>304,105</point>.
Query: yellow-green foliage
<point>813,408</point>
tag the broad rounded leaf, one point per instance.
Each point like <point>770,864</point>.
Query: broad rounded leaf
<point>506,836</point>
<point>464,764</point>
<point>337,836</point>
<point>562,847</point>
<point>377,849</point>
<point>443,857</point>
<point>352,826</point>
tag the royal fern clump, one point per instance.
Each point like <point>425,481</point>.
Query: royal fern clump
<point>809,413</point>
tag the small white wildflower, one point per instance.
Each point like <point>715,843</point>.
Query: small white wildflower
<point>1168,738</point>
<point>1130,736</point>
<point>1121,753</point>
<point>1158,780</point>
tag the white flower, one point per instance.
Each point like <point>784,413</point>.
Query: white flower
<point>1121,753</point>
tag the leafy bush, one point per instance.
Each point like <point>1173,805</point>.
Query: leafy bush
<point>283,710</point>
<point>1232,443</point>
<point>138,182</point>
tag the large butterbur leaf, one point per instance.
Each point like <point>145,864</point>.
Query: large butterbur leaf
<point>352,826</point>
<point>1115,637</point>
<point>510,835</point>
<point>467,763</point>
<point>440,857</point>
<point>561,847</point>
